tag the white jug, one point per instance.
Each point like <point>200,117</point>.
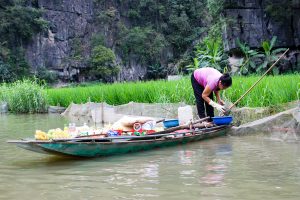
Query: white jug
<point>185,114</point>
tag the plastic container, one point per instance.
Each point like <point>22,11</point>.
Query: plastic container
<point>112,133</point>
<point>222,120</point>
<point>185,114</point>
<point>171,123</point>
<point>149,125</point>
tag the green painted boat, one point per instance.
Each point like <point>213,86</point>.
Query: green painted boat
<point>94,147</point>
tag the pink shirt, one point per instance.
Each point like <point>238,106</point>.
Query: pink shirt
<point>208,76</point>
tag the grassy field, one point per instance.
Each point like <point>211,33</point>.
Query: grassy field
<point>272,90</point>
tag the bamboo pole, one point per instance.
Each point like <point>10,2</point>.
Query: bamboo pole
<point>257,81</point>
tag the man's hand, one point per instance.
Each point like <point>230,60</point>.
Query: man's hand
<point>219,107</point>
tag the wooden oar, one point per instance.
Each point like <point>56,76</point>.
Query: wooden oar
<point>256,82</point>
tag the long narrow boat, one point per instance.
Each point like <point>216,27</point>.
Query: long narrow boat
<point>93,147</point>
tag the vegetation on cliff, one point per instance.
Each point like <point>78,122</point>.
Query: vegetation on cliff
<point>153,28</point>
<point>19,21</point>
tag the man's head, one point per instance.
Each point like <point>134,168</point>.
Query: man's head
<point>225,81</point>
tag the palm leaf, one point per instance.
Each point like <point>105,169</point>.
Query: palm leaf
<point>272,43</point>
<point>266,46</point>
<point>275,51</point>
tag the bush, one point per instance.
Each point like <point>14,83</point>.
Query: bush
<point>145,43</point>
<point>24,97</point>
<point>5,72</point>
<point>46,75</point>
<point>19,23</point>
<point>103,63</point>
<point>210,53</point>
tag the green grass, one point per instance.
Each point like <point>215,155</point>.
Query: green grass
<point>25,96</point>
<point>272,90</point>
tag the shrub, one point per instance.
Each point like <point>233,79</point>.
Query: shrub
<point>24,97</point>
<point>46,75</point>
<point>103,63</point>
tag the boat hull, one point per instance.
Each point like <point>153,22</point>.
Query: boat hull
<point>94,148</point>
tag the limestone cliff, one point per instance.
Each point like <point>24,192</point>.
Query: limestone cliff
<point>73,22</point>
<point>254,21</point>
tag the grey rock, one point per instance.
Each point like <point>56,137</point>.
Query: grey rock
<point>3,107</point>
<point>68,20</point>
<point>287,123</point>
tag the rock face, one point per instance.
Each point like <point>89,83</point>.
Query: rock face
<point>69,20</point>
<point>73,22</point>
<point>71,26</point>
<point>252,23</point>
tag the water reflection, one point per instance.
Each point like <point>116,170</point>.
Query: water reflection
<point>186,157</point>
<point>216,168</point>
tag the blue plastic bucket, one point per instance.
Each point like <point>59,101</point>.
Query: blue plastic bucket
<point>222,120</point>
<point>171,123</point>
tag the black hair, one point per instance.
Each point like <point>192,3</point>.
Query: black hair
<point>226,80</point>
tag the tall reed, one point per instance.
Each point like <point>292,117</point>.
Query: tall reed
<point>25,96</point>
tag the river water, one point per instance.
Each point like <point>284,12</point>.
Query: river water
<point>225,168</point>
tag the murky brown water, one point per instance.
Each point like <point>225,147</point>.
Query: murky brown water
<point>249,167</point>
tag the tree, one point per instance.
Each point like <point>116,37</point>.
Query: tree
<point>145,43</point>
<point>6,75</point>
<point>18,24</point>
<point>103,63</point>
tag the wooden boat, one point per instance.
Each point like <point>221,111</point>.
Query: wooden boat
<point>93,146</point>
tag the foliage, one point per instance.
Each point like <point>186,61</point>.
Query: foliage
<point>143,42</point>
<point>154,26</point>
<point>24,96</point>
<point>217,21</point>
<point>210,53</point>
<point>18,23</point>
<point>156,72</point>
<point>97,39</point>
<point>17,64</point>
<point>103,63</point>
<point>281,10</point>
<point>5,72</point>
<point>215,7</point>
<point>250,58</point>
<point>270,55</point>
<point>272,90</point>
<point>46,75</point>
<point>107,16</point>
<point>77,49</point>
